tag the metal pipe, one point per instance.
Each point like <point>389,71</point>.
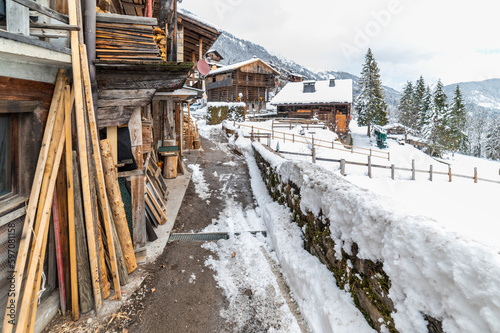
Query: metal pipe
<point>89,33</point>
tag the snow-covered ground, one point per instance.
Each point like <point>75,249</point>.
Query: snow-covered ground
<point>436,239</point>
<point>462,206</point>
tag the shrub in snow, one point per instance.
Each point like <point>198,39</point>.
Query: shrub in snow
<point>220,111</point>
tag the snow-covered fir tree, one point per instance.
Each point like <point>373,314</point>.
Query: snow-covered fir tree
<point>407,107</point>
<point>477,130</point>
<point>425,113</point>
<point>435,130</point>
<point>492,144</point>
<point>419,96</point>
<point>370,104</point>
<point>456,122</point>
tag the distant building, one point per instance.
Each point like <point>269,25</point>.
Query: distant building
<point>328,100</point>
<point>213,58</point>
<point>251,81</point>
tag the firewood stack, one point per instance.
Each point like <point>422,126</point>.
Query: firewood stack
<point>161,41</point>
<point>126,41</point>
<point>190,134</point>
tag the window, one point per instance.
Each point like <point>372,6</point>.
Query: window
<point>5,155</point>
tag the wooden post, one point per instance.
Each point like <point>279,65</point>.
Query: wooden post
<point>430,172</point>
<point>388,156</point>
<point>137,185</point>
<point>449,173</point>
<point>74,19</point>
<point>413,172</point>
<point>18,20</point>
<point>284,137</point>
<point>99,173</point>
<point>251,135</point>
<point>68,103</point>
<point>189,128</point>
<point>393,171</point>
<point>84,284</point>
<point>370,166</point>
<point>60,269</point>
<point>112,136</point>
<point>117,207</point>
<point>342,167</point>
<point>313,151</point>
<point>475,175</point>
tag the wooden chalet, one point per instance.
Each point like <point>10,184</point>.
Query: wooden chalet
<point>252,82</point>
<point>89,99</point>
<point>328,100</point>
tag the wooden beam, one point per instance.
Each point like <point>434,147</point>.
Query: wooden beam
<point>127,19</point>
<point>68,107</point>
<point>55,26</point>
<point>82,149</point>
<point>43,10</point>
<point>100,177</point>
<point>24,244</point>
<point>24,310</point>
<point>137,184</point>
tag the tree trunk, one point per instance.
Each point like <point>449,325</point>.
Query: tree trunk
<point>117,208</point>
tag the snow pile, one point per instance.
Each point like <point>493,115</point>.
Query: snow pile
<point>433,271</point>
<point>324,306</point>
<point>201,187</point>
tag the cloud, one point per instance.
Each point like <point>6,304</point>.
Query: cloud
<point>444,39</point>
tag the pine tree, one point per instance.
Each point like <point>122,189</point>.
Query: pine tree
<point>492,145</point>
<point>419,97</point>
<point>436,131</point>
<point>426,114</point>
<point>456,123</point>
<point>407,106</point>
<point>370,104</point>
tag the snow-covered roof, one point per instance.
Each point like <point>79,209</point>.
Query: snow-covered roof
<point>200,20</point>
<point>293,93</point>
<point>238,65</point>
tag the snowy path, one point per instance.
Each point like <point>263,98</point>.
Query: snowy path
<point>246,277</point>
<point>258,298</point>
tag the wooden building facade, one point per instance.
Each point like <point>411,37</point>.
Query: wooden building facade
<point>67,93</point>
<point>252,82</point>
<point>329,101</point>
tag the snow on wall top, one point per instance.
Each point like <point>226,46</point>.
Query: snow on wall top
<point>293,93</point>
<point>238,65</point>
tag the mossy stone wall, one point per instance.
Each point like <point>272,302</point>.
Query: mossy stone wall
<point>365,280</point>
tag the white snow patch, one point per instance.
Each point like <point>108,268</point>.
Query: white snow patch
<point>201,187</point>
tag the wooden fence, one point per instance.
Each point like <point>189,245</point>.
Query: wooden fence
<point>369,165</point>
<point>257,132</point>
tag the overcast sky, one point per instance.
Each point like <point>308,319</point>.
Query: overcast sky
<point>453,40</point>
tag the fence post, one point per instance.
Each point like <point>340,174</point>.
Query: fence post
<point>475,175</point>
<point>333,144</point>
<point>342,167</point>
<point>412,169</point>
<point>284,137</point>
<point>251,136</point>
<point>388,156</point>
<point>370,166</point>
<point>430,172</point>
<point>272,131</point>
<point>352,149</point>
<point>449,173</point>
<point>313,150</point>
<point>269,141</point>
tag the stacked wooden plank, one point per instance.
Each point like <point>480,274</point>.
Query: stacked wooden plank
<point>125,39</point>
<point>156,194</point>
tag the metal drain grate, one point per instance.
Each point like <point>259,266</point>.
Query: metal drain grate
<point>207,237</point>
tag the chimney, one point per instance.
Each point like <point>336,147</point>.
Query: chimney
<point>332,81</point>
<point>309,86</point>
